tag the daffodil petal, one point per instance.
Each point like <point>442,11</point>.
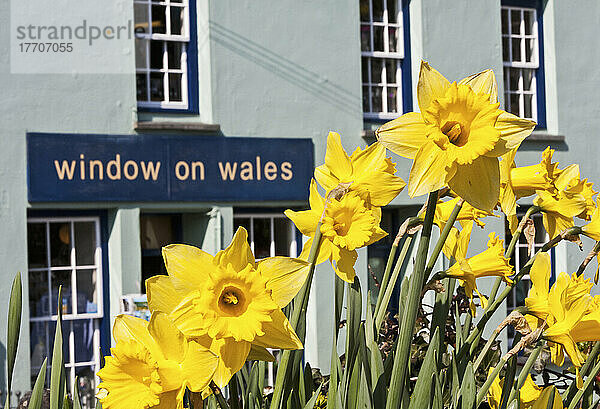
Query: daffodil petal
<point>513,130</point>
<point>483,83</point>
<point>304,220</point>
<point>187,263</point>
<point>478,183</point>
<point>383,187</point>
<point>232,356</point>
<point>278,333</point>
<point>324,250</point>
<point>198,366</point>
<point>336,158</point>
<point>285,276</point>
<point>167,336</point>
<point>343,265</point>
<point>404,135</point>
<point>127,327</point>
<point>365,160</point>
<point>327,180</point>
<point>169,400</point>
<point>258,353</point>
<point>432,85</point>
<point>428,172</point>
<point>162,294</point>
<point>238,253</point>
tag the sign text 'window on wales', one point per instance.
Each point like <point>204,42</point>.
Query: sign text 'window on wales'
<point>138,168</point>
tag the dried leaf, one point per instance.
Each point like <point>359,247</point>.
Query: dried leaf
<point>529,233</point>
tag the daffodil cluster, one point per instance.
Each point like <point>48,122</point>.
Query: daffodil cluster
<point>210,314</point>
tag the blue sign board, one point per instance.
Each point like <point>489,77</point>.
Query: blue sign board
<point>142,168</point>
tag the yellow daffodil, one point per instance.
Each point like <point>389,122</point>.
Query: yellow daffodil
<point>457,138</point>
<point>518,182</point>
<point>229,303</point>
<point>443,209</point>
<point>572,200</point>
<point>491,262</point>
<point>347,224</point>
<point>528,394</point>
<point>542,402</point>
<point>367,171</point>
<point>152,364</point>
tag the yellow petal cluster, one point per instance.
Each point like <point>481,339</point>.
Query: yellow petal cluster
<point>348,223</point>
<point>366,171</point>
<point>529,393</point>
<point>592,229</point>
<point>457,137</point>
<point>152,364</point>
<point>491,262</point>
<point>467,213</point>
<point>229,303</point>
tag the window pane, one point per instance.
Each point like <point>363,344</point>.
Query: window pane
<point>366,96</point>
<point>504,21</point>
<point>60,244</point>
<point>365,38</point>
<point>159,19</point>
<point>87,384</point>
<point>58,278</point>
<point>283,237</point>
<point>377,10</point>
<point>242,222</point>
<point>376,69</point>
<point>527,79</point>
<point>513,81</point>
<point>175,87</point>
<point>365,69</point>
<point>86,291</point>
<point>156,54</point>
<point>84,340</point>
<point>36,245</point>
<point>516,49</point>
<point>515,21</point>
<point>378,38</point>
<point>85,243</point>
<point>156,231</point>
<point>38,348</point>
<point>140,16</point>
<point>177,20</point>
<point>393,39</point>
<point>262,238</point>
<point>505,49</point>
<point>141,53</point>
<point>529,21</point>
<point>392,99</point>
<point>38,294</point>
<point>514,104</point>
<point>528,107</point>
<point>141,84</point>
<point>392,11</point>
<point>390,71</point>
<point>529,50</point>
<point>376,93</point>
<point>174,54</point>
<point>157,92</point>
<point>507,102</point>
<point>364,10</point>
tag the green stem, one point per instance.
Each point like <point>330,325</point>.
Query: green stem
<point>525,371</point>
<point>300,305</point>
<point>586,384</point>
<point>493,306</point>
<point>386,276</point>
<point>218,395</point>
<point>488,382</point>
<point>380,314</point>
<point>409,314</point>
<point>569,394</point>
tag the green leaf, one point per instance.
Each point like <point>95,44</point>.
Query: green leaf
<point>37,394</point>
<point>353,384</point>
<point>353,319</point>
<point>422,393</point>
<point>309,383</point>
<point>57,373</point>
<point>311,402</point>
<point>468,390</point>
<point>15,305</point>
<point>76,398</point>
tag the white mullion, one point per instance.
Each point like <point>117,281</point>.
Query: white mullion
<point>252,234</point>
<point>73,271</point>
<point>72,354</point>
<point>369,61</point>
<point>535,34</point>
<point>184,74</point>
<point>166,73</point>
<point>521,94</point>
<point>272,246</point>
<point>384,83</point>
<point>147,41</point>
<point>522,40</point>
<point>399,90</point>
<point>98,260</point>
<point>96,351</point>
<point>371,27</point>
<point>168,18</point>
<point>386,34</point>
<point>510,54</point>
<point>293,243</point>
<point>534,97</point>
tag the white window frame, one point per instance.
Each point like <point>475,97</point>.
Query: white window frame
<point>183,39</point>
<point>384,56</point>
<point>522,65</point>
<point>68,319</point>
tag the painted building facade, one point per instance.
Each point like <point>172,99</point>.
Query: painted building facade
<point>205,78</point>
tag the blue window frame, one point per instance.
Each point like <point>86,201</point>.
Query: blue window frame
<point>523,59</point>
<point>385,58</point>
<point>166,55</point>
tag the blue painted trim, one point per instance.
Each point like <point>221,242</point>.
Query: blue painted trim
<point>407,102</point>
<point>552,265</point>
<point>103,215</point>
<point>540,77</point>
<point>192,66</point>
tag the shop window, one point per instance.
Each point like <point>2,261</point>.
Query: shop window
<point>66,252</point>
<point>382,54</point>
<point>156,232</point>
<point>162,41</point>
<point>523,64</point>
<point>520,257</point>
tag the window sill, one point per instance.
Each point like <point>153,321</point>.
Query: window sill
<point>177,126</point>
<point>544,136</point>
